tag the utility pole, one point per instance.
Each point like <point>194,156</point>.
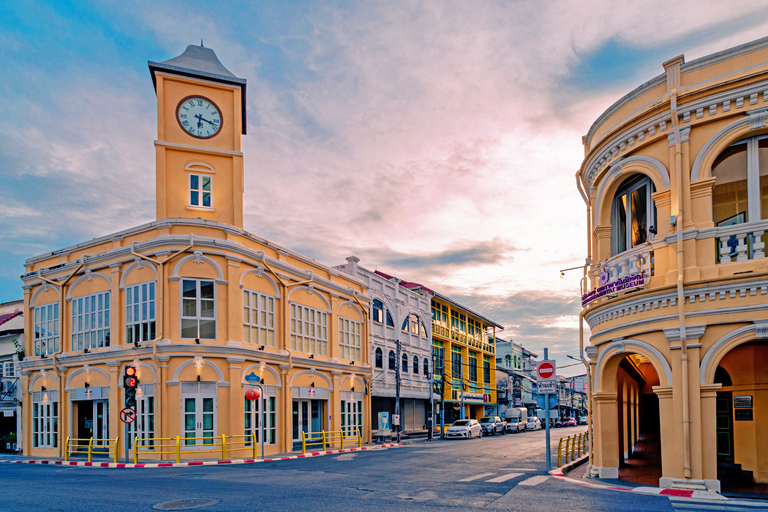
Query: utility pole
<point>431,419</point>
<point>442,399</point>
<point>397,389</point>
<point>546,417</point>
<point>461,376</point>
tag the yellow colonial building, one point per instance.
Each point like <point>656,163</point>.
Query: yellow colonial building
<point>204,309</point>
<point>464,360</point>
<point>675,180</point>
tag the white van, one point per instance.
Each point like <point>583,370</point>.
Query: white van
<point>516,418</point>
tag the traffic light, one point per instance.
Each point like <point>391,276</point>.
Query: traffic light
<point>130,383</point>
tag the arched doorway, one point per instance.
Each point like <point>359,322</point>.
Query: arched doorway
<point>632,392</point>
<point>638,426</point>
<point>741,415</point>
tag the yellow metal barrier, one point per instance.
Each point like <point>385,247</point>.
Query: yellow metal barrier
<point>75,445</point>
<point>330,438</point>
<point>574,446</point>
<point>223,444</point>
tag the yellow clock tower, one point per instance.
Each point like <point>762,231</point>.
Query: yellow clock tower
<point>200,117</point>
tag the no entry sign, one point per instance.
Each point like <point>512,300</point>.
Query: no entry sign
<point>127,415</point>
<point>546,370</point>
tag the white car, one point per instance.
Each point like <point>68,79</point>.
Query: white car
<point>465,429</point>
<point>534,423</point>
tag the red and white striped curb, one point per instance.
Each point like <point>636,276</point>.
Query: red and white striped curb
<point>193,463</point>
<point>681,493</point>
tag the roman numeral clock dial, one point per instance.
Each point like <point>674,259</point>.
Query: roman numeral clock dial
<point>199,117</point>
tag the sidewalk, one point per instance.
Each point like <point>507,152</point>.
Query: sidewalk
<point>106,463</point>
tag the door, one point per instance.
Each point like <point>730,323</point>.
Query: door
<point>101,422</point>
<point>199,416</point>
<point>724,427</point>
<point>301,419</point>
<point>317,415</point>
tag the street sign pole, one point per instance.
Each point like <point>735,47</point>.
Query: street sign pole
<point>546,417</point>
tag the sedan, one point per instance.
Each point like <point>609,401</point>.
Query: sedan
<point>534,423</point>
<point>465,429</point>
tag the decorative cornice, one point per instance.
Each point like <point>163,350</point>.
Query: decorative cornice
<point>693,332</point>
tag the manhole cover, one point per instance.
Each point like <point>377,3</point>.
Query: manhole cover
<point>187,504</point>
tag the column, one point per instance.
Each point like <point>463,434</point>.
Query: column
<point>334,402</point>
<point>671,438</point>
<point>606,457</point>
<point>236,397</point>
<point>709,435</point>
<point>285,410</point>
<point>116,427</point>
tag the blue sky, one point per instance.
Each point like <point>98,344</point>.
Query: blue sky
<point>437,141</point>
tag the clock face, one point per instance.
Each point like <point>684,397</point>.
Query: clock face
<point>199,117</point>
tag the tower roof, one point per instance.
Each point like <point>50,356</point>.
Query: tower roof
<point>200,62</point>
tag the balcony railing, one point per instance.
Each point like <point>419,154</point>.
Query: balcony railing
<point>626,271</point>
<point>741,242</point>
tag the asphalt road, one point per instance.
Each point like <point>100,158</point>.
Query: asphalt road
<point>493,473</point>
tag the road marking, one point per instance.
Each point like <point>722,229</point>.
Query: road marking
<point>517,469</point>
<point>476,477</point>
<point>702,506</point>
<point>534,480</point>
<point>503,478</point>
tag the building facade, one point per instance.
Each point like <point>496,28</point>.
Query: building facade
<point>400,346</point>
<point>465,360</point>
<point>202,308</point>
<point>11,351</point>
<point>674,180</point>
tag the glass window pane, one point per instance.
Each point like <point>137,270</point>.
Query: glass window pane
<point>729,196</point>
<point>208,329</point>
<point>189,328</point>
<point>206,289</point>
<point>639,216</point>
<point>188,288</point>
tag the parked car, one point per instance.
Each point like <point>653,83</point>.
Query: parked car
<point>493,425</point>
<point>569,422</point>
<point>582,420</point>
<point>534,423</point>
<point>466,429</point>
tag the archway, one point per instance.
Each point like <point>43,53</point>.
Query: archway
<point>741,415</point>
<point>627,431</point>
<point>639,422</point>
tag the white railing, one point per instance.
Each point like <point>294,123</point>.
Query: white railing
<point>628,270</point>
<point>741,241</point>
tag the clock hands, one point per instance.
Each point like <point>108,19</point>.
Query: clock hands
<point>201,118</point>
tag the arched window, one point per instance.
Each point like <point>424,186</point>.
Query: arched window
<point>508,361</point>
<point>426,366</point>
<point>404,328</point>
<point>405,363</point>
<point>392,361</point>
<point>415,365</point>
<point>634,214</point>
<point>423,330</point>
<point>379,358</point>
<point>378,311</point>
<point>390,322</point>
<point>741,173</point>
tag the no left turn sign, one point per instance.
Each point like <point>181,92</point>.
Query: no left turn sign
<point>127,415</point>
<point>546,370</point>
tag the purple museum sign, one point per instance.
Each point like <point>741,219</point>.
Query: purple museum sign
<point>622,284</point>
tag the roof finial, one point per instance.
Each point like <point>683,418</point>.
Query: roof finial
<point>201,43</point>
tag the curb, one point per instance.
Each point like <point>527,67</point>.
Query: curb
<point>130,465</point>
<point>560,472</point>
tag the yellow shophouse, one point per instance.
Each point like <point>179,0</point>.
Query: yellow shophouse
<point>202,308</point>
<point>464,359</point>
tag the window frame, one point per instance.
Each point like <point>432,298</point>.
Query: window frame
<point>350,340</point>
<point>51,321</point>
<point>45,419</point>
<point>392,361</point>
<point>378,358</point>
<point>135,330</point>
<point>307,339</point>
<point>266,410</point>
<point>415,370</point>
<point>627,188</point>
<point>84,312</point>
<point>377,311</point>
<point>261,314</point>
<point>200,191</point>
<point>404,361</point>
<point>144,425</point>
<point>198,303</point>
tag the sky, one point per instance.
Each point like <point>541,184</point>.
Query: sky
<point>437,141</point>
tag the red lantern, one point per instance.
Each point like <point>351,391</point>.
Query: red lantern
<point>252,394</point>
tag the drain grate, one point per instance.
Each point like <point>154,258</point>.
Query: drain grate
<point>186,504</point>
